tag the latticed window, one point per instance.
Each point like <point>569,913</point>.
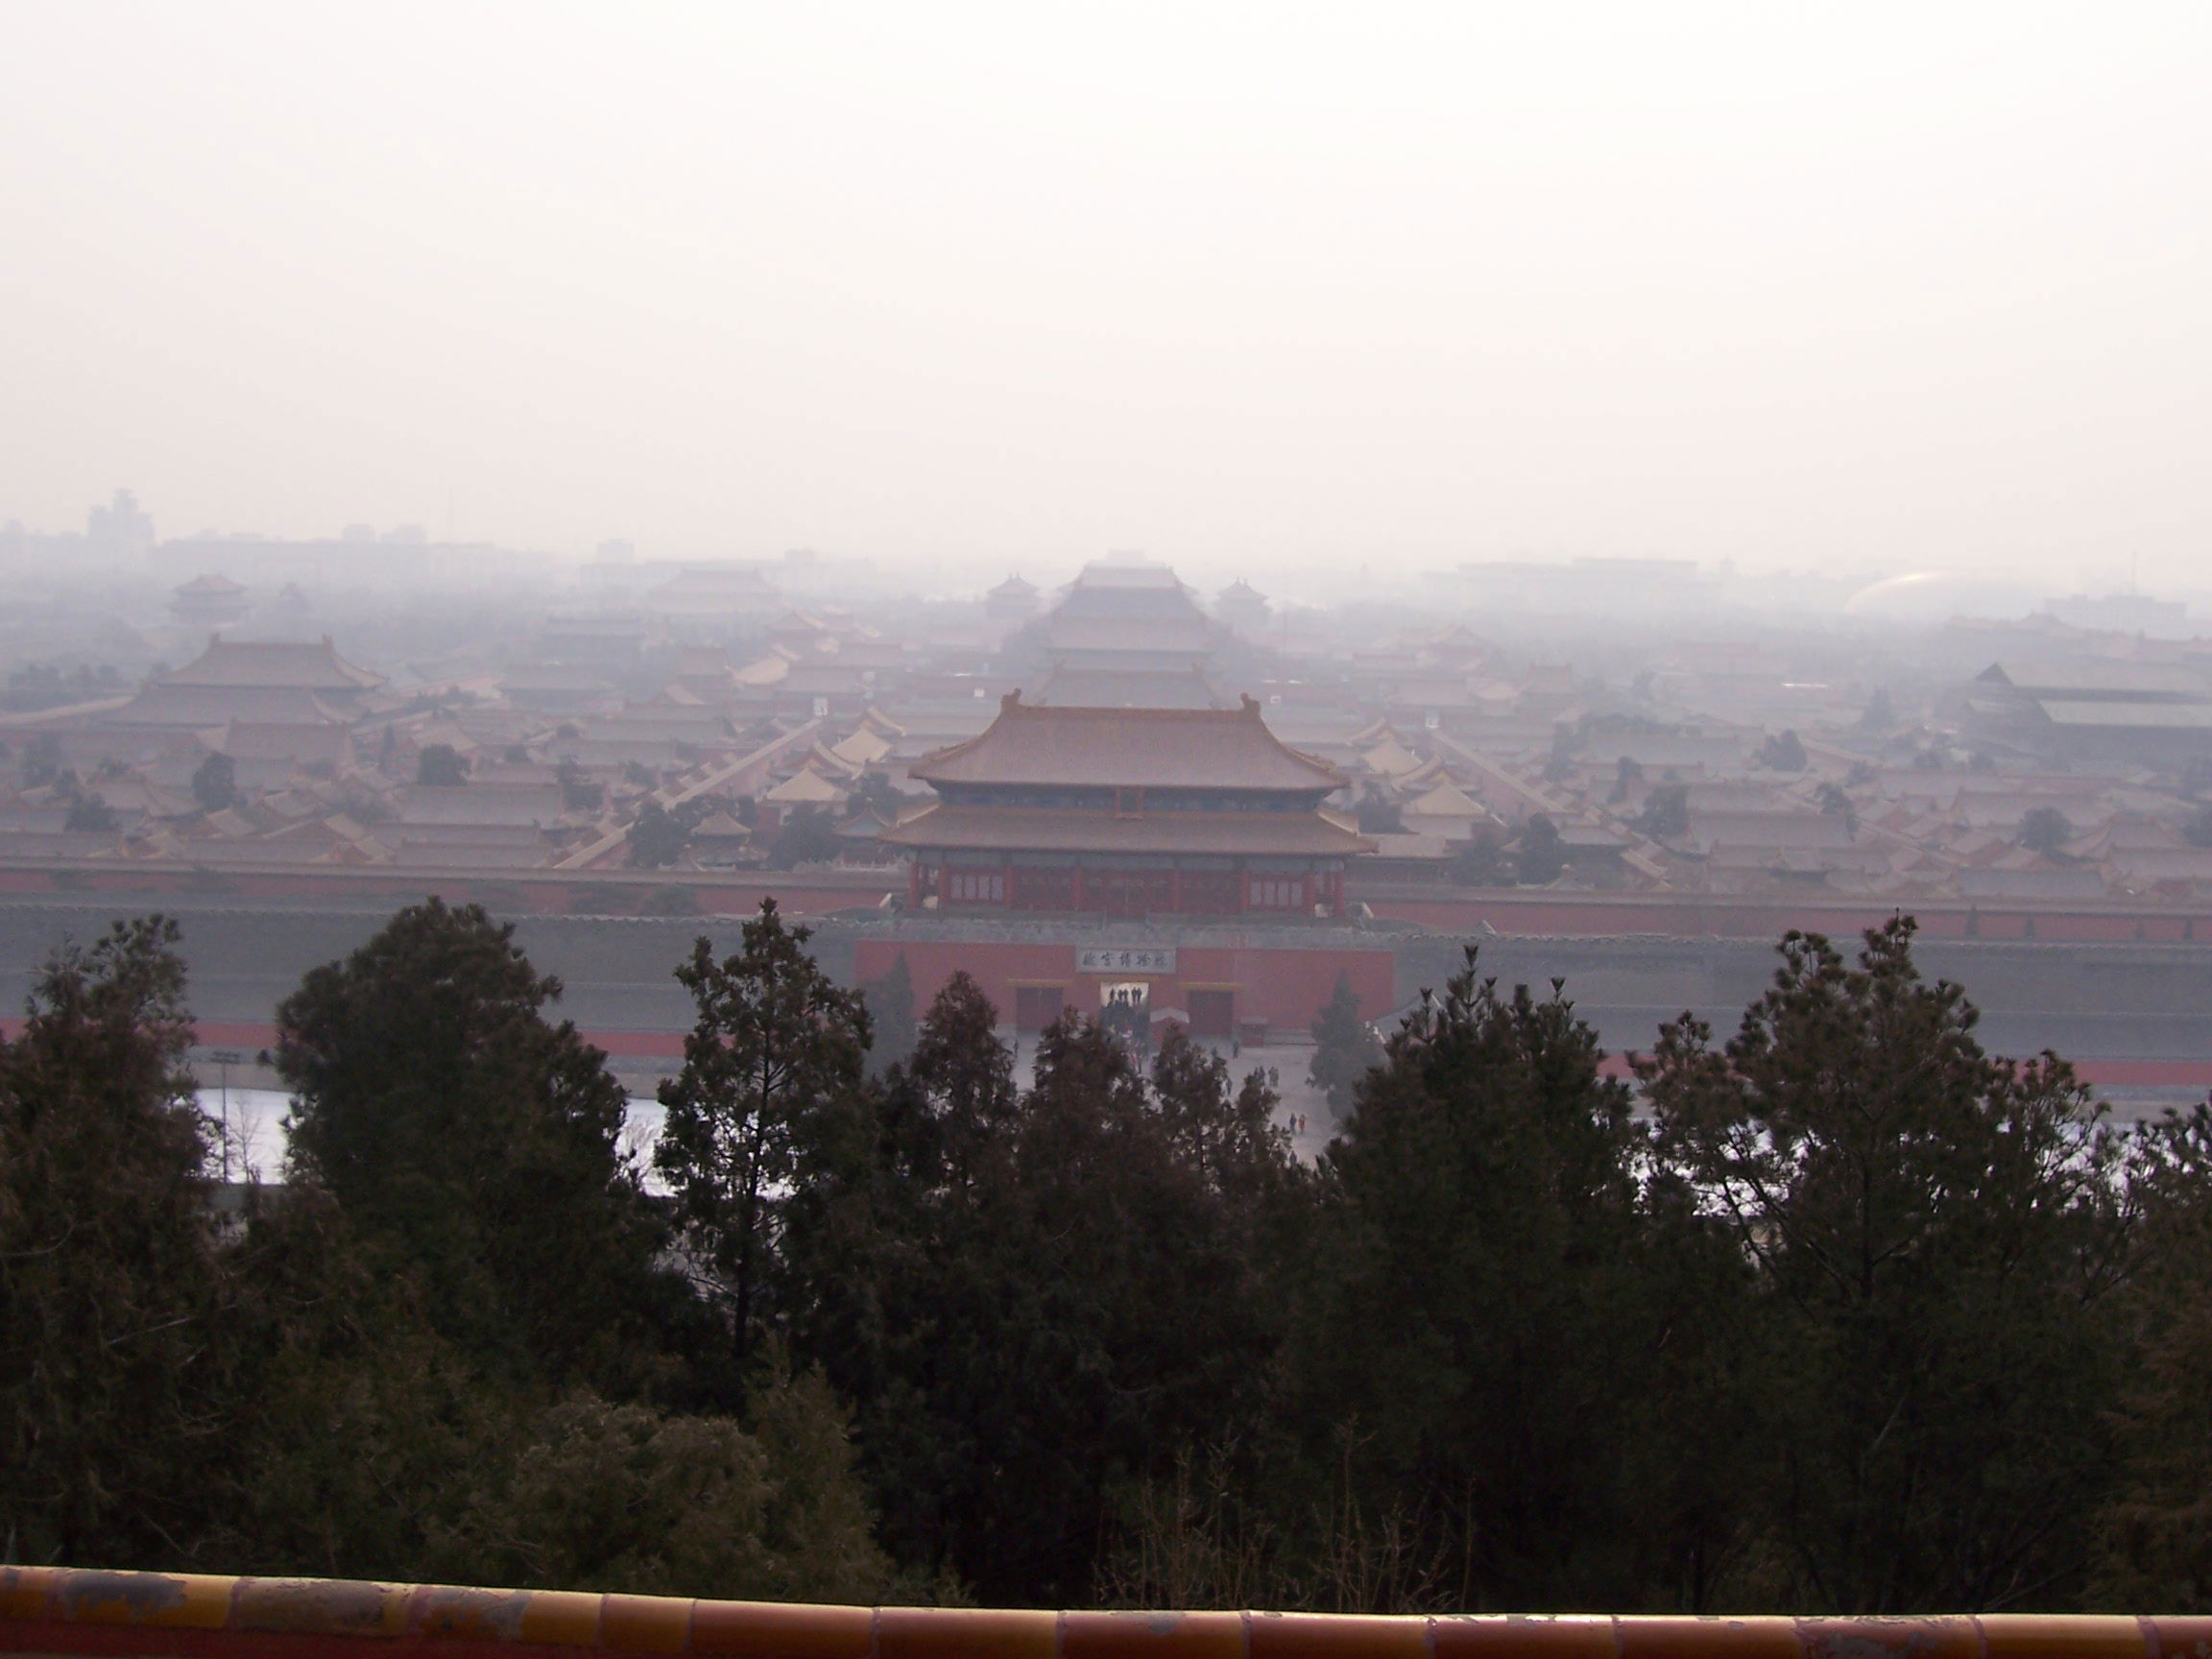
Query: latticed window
<point>1278,892</point>
<point>1044,889</point>
<point>1210,892</point>
<point>977,886</point>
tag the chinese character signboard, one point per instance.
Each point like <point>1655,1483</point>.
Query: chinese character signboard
<point>1114,959</point>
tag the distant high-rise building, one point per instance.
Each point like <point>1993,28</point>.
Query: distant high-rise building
<point>2122,614</point>
<point>121,530</point>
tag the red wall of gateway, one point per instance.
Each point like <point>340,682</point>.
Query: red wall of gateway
<point>1279,988</point>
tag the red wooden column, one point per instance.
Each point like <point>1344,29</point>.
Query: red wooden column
<point>914,882</point>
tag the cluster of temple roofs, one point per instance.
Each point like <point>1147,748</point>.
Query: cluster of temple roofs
<point>1120,745</point>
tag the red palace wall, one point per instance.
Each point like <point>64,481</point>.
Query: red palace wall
<point>1280,989</point>
<point>1689,916</point>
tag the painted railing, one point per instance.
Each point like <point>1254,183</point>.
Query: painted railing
<point>57,1611</point>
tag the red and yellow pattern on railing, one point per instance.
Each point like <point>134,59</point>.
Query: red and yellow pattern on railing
<point>58,1611</point>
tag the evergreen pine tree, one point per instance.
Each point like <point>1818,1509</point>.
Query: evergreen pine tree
<point>776,1054</point>
<point>1937,1239</point>
<point>475,1145</point>
<point>1345,1047</point>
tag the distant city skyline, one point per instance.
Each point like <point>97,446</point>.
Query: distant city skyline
<point>121,536</point>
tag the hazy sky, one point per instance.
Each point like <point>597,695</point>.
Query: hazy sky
<point>1258,285</point>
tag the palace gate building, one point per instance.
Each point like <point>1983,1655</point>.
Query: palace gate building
<point>1128,814</point>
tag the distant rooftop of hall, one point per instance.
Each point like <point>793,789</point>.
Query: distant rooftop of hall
<point>311,665</point>
<point>1128,748</point>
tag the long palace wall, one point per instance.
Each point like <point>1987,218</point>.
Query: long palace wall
<point>1524,912</point>
<point>2135,1012</point>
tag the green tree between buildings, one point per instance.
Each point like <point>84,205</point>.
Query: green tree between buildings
<point>215,783</point>
<point>1345,1047</point>
<point>806,836</point>
<point>1542,852</point>
<point>1836,802</point>
<point>42,761</point>
<point>440,766</point>
<point>1666,813</point>
<point>1784,751</point>
<point>1627,772</point>
<point>2045,829</point>
<point>90,814</point>
<point>659,834</point>
<point>1482,862</point>
<point>1378,814</point>
<point>578,793</point>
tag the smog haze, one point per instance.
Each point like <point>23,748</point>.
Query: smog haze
<point>1255,289</point>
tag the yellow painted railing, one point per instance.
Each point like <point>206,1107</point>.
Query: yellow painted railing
<point>57,1611</point>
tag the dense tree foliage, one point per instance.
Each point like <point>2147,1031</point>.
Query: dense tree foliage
<point>659,834</point>
<point>778,1053</point>
<point>1784,751</point>
<point>440,766</point>
<point>449,1119</point>
<point>1938,1239</point>
<point>1378,814</point>
<point>1037,1293</point>
<point>1482,862</point>
<point>1481,1220</point>
<point>1665,812</point>
<point>2045,829</point>
<point>806,836</point>
<point>111,1294</point>
<point>1541,852</point>
<point>370,1371</point>
<point>1844,1314</point>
